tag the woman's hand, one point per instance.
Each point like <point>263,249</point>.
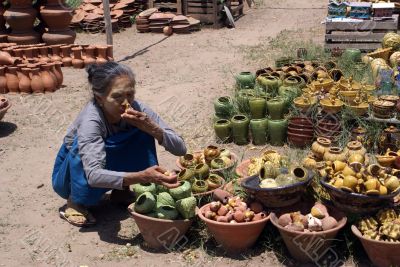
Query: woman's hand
<point>141,121</point>
<point>156,174</point>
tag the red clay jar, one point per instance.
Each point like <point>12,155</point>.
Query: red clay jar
<point>53,74</point>
<point>58,72</point>
<point>36,82</point>
<point>12,80</point>
<point>56,53</point>
<point>3,81</point>
<point>77,61</point>
<point>89,58</point>
<point>18,53</point>
<point>101,54</point>
<point>48,82</point>
<point>44,54</point>
<point>6,58</point>
<point>66,53</point>
<point>25,81</point>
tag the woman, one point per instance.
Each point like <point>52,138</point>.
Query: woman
<point>111,144</point>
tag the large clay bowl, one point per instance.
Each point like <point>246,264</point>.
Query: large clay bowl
<point>157,232</point>
<point>302,246</point>
<point>357,203</point>
<point>302,131</point>
<point>233,158</point>
<point>234,237</point>
<point>276,197</point>
<point>242,168</point>
<point>300,140</point>
<point>380,253</point>
<point>210,191</point>
<point>3,111</point>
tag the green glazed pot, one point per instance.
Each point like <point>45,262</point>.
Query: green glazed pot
<point>187,207</point>
<point>167,212</point>
<point>139,189</point>
<point>165,198</point>
<point>290,86</point>
<point>240,129</point>
<point>259,129</point>
<point>223,130</point>
<point>218,163</point>
<point>257,107</point>
<point>201,171</point>
<point>276,107</point>
<point>223,106</point>
<point>199,186</point>
<point>242,99</point>
<point>277,130</point>
<point>145,203</point>
<point>269,83</point>
<point>185,175</point>
<point>352,54</point>
<point>182,191</point>
<point>245,80</point>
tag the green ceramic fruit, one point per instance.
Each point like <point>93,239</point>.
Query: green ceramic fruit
<point>186,175</point>
<point>166,212</point>
<point>277,130</point>
<point>240,129</point>
<point>165,198</point>
<point>223,130</point>
<point>276,107</point>
<point>223,106</point>
<point>201,171</point>
<point>145,203</point>
<point>245,80</point>
<point>199,186</point>
<point>257,107</point>
<point>187,207</point>
<point>139,189</point>
<point>182,191</point>
<point>259,129</point>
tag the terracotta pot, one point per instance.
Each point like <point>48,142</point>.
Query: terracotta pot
<point>244,237</point>
<point>301,245</point>
<point>55,50</point>
<point>389,139</point>
<point>101,54</point>
<point>110,54</point>
<point>25,81</point>
<point>6,58</point>
<point>89,58</point>
<point>44,54</point>
<point>77,61</point>
<point>157,232</point>
<point>3,81</point>
<point>49,84</point>
<point>66,53</point>
<point>335,153</point>
<point>12,80</point>
<point>302,131</point>
<point>58,73</point>
<point>36,81</point>
<point>53,75</point>
<point>380,253</point>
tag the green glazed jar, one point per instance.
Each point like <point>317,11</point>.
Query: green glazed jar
<point>276,107</point>
<point>290,87</point>
<point>223,107</point>
<point>269,83</point>
<point>199,186</point>
<point>243,97</point>
<point>245,80</point>
<point>351,54</point>
<point>257,107</point>
<point>259,129</point>
<point>277,130</point>
<point>201,171</point>
<point>223,130</point>
<point>240,129</point>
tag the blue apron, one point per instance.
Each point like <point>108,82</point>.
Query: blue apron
<point>130,151</point>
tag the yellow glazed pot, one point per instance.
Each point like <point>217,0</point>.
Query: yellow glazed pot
<point>334,154</point>
<point>320,146</point>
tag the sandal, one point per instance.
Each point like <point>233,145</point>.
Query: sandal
<point>76,218</point>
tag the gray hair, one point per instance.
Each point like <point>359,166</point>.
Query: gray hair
<point>102,76</point>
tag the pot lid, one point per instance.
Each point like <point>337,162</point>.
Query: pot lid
<point>92,16</point>
<point>390,98</point>
<point>78,16</point>
<point>117,13</point>
<point>161,16</point>
<point>119,6</point>
<point>383,103</point>
<point>392,129</point>
<point>127,1</point>
<point>148,12</point>
<point>98,11</point>
<point>89,7</point>
<point>180,18</point>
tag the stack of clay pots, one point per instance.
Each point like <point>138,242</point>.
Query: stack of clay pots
<point>300,131</point>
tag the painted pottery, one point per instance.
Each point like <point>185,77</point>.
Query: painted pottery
<point>277,130</point>
<point>77,61</point>
<point>223,130</point>
<point>259,129</point>
<point>12,80</point>
<point>245,80</point>
<point>101,54</point>
<point>223,106</point>
<point>25,81</point>
<point>383,109</point>
<point>240,129</point>
<point>257,108</point>
<point>3,81</point>
<point>389,139</point>
<point>36,82</point>
<point>276,107</point>
<point>66,53</point>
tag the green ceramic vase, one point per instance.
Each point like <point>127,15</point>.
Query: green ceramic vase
<point>277,130</point>
<point>223,130</point>
<point>257,107</point>
<point>351,54</point>
<point>269,83</point>
<point>276,108</point>
<point>245,80</point>
<point>243,97</point>
<point>223,107</point>
<point>259,129</point>
<point>240,129</point>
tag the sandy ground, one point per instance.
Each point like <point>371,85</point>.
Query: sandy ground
<point>179,77</point>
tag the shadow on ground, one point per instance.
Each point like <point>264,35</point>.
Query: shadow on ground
<point>7,128</point>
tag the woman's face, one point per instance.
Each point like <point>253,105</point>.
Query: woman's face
<point>122,92</point>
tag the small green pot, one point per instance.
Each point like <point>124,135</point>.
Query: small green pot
<point>139,189</point>
<point>187,207</point>
<point>259,129</point>
<point>145,203</point>
<point>269,83</point>
<point>223,130</point>
<point>165,198</point>
<point>218,163</point>
<point>277,130</point>
<point>182,191</point>
<point>186,175</point>
<point>240,129</point>
<point>199,186</point>
<point>167,212</point>
<point>223,106</point>
<point>242,100</point>
<point>245,80</point>
<point>352,54</point>
<point>276,107</point>
<point>257,107</point>
<point>201,171</point>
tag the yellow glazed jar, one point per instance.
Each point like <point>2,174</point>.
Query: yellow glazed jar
<point>320,146</point>
<point>355,147</point>
<point>335,154</point>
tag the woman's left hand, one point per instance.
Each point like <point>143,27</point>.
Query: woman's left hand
<point>141,121</point>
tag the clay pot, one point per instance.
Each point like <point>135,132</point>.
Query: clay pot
<point>12,80</point>
<point>355,147</point>
<point>49,82</point>
<point>89,57</point>
<point>156,232</point>
<point>245,80</point>
<point>58,73</point>
<point>335,153</point>
<point>25,81</point>
<point>36,81</point>
<point>223,130</point>
<point>6,58</point>
<point>389,139</point>
<point>77,61</point>
<point>55,49</point>
<point>18,53</point>
<point>101,54</point>
<point>66,52</point>
<point>257,107</point>
<point>3,81</point>
<point>320,146</point>
<point>44,54</point>
<point>276,107</point>
<point>300,140</point>
<point>277,131</point>
<point>246,233</point>
<point>240,129</point>
<point>259,129</point>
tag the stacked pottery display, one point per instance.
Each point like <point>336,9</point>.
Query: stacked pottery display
<point>300,131</point>
<point>57,17</point>
<point>21,16</point>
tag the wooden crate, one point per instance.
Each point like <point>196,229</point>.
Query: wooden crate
<point>167,5</point>
<point>365,35</point>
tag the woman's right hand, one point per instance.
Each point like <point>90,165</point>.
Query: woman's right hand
<point>156,174</point>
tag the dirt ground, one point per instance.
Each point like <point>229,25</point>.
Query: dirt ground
<point>179,77</point>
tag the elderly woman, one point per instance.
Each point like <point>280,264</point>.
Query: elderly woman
<point>111,144</point>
